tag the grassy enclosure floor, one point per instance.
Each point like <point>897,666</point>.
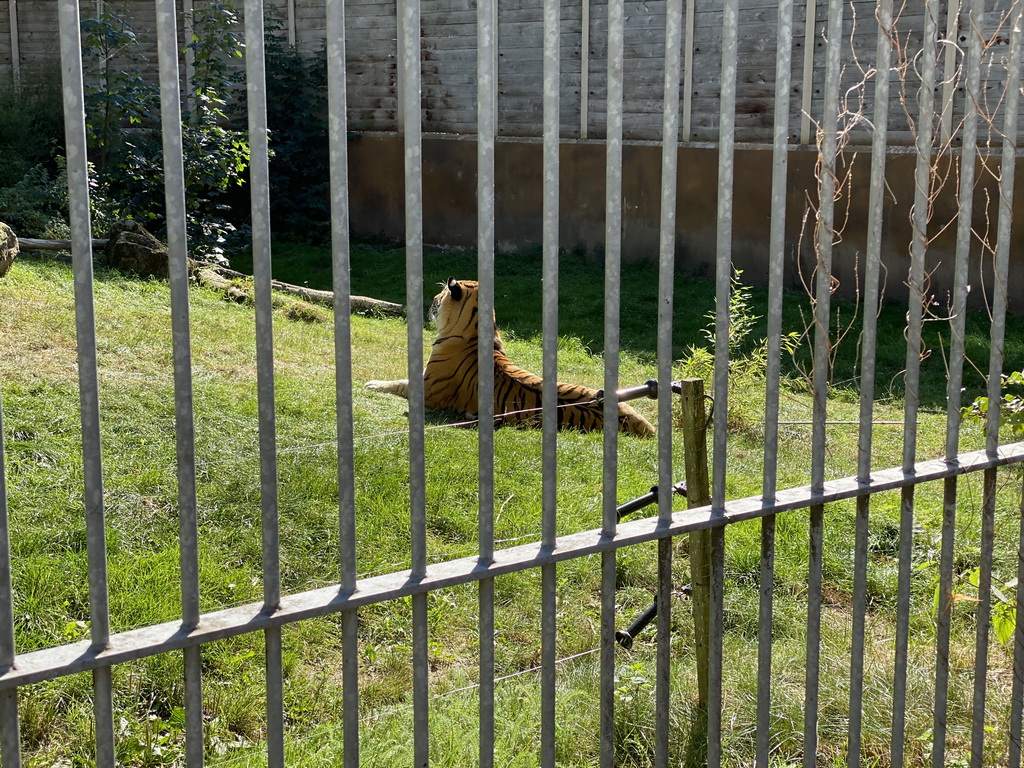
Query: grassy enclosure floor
<point>43,459</point>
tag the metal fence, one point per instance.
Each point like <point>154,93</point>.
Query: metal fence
<point>105,649</point>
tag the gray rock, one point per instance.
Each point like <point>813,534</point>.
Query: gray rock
<point>131,247</point>
<point>8,248</point>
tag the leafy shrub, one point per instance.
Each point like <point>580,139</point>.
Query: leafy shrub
<point>124,131</point>
<point>1011,404</point>
<point>36,206</point>
<point>32,200</point>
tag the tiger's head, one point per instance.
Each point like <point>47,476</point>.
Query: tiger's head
<point>455,310</point>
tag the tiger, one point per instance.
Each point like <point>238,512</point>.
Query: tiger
<point>450,375</point>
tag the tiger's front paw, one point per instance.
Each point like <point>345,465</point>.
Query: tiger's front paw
<point>400,388</point>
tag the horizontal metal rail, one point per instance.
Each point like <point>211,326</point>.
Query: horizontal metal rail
<point>148,641</point>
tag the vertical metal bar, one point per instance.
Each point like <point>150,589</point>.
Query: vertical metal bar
<point>12,8</point>
<point>777,245</point>
<point>688,70</point>
<point>964,235</point>
<point>963,244</point>
<point>666,278</point>
<point>996,358</point>
<point>943,619</point>
<point>723,254</point>
<point>827,154</point>
<point>1017,689</point>
<point>953,8</point>
<point>776,250</point>
<point>983,615</point>
<point>584,68</point>
<point>549,391</point>
<point>174,185</point>
<point>807,87</point>
<point>883,54</point>
<point>410,64</point>
<point>486,118</point>
<point>919,235</point>
<point>860,571</point>
<point>291,23</point>
<point>723,281</point>
<point>10,738</point>
<point>764,640</point>
<point>88,384</point>
<point>342,284</point>
<point>259,171</point>
<point>813,636</point>
<point>612,280</point>
<point>1003,228</point>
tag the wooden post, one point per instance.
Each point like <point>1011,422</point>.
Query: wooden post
<point>698,494</point>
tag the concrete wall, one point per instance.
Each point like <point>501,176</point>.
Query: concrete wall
<point>450,209</point>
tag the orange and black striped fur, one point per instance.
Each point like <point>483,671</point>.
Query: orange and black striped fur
<point>450,376</point>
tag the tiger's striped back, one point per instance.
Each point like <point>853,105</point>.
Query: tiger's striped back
<point>451,374</point>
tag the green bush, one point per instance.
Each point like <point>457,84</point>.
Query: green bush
<point>124,129</point>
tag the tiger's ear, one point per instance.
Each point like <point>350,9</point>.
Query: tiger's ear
<point>455,289</point>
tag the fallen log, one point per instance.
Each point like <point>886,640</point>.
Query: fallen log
<point>326,298</point>
<point>33,244</point>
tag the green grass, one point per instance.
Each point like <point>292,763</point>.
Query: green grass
<point>44,476</point>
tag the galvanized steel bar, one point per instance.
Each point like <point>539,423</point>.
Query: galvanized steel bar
<point>919,235</point>
<point>1004,226</point>
<point>777,243</point>
<point>666,285</point>
<point>274,662</point>
<point>824,234</point>
<point>193,707</point>
<point>807,83</point>
<point>342,285</point>
<point>88,383</point>
<point>549,391</point>
<point>612,294</point>
<point>964,233</point>
<point>883,56</point>
<point>723,283</point>
<point>135,644</point>
<point>723,249</point>
<point>613,257</point>
<point>766,598</point>
<point>409,11</point>
<point>860,573</point>
<point>813,636</point>
<point>776,251</point>
<point>953,8</point>
<point>983,614</point>
<point>487,91</point>
<point>1017,687</point>
<point>667,251</point>
<point>945,601</point>
<point>259,173</point>
<point>10,738</point>
<point>174,182</point>
<point>688,71</point>
<point>174,186</point>
<point>337,127</point>
<point>584,68</point>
